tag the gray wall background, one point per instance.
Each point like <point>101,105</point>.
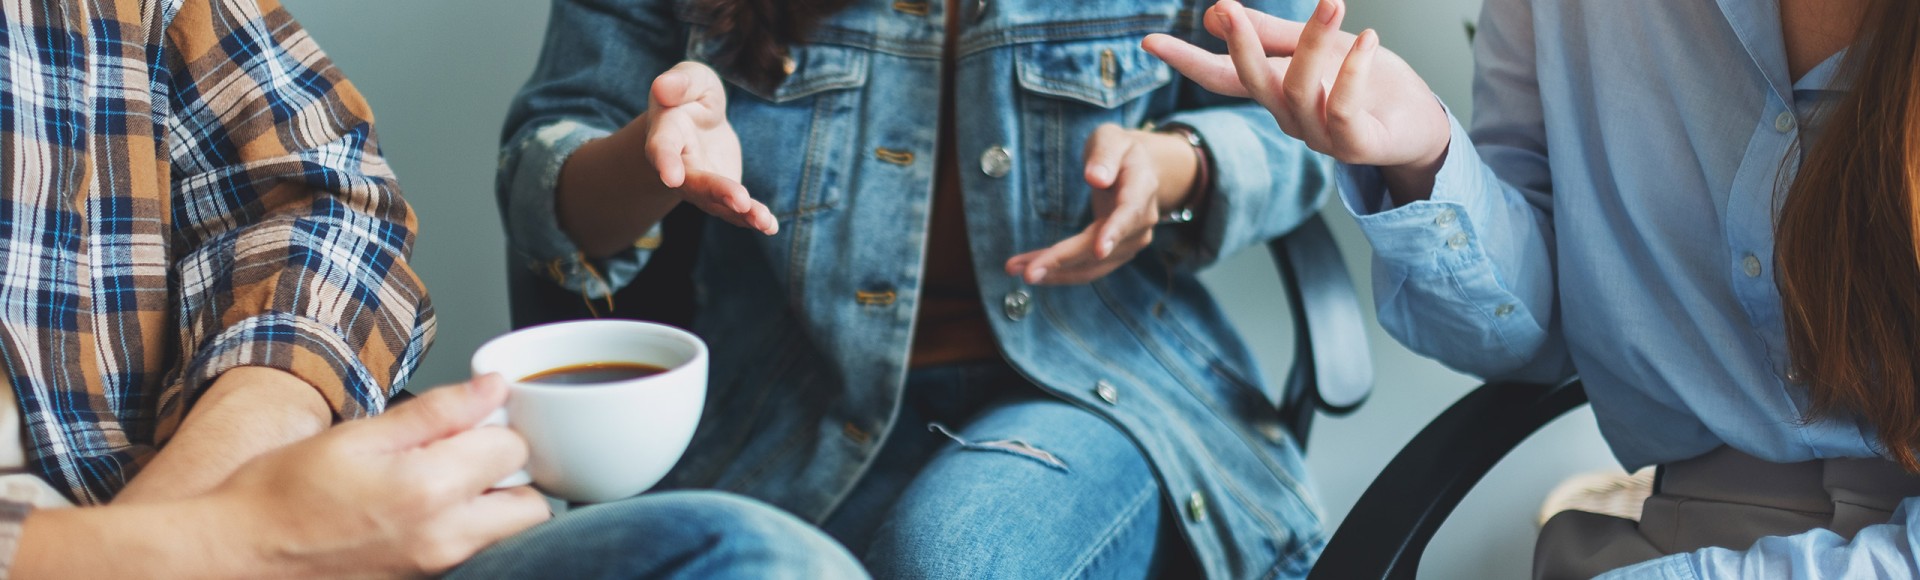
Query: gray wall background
<point>440,72</point>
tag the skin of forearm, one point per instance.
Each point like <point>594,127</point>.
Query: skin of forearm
<point>180,539</point>
<point>608,194</point>
<point>247,412</point>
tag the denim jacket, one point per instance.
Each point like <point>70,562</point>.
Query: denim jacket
<point>810,329</point>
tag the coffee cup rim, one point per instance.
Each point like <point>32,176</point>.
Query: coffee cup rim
<point>688,337</point>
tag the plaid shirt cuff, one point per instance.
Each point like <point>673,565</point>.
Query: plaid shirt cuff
<point>309,349</point>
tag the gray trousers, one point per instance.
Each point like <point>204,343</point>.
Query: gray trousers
<point>1725,499</point>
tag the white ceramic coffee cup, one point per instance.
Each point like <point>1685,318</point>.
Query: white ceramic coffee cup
<point>607,441</point>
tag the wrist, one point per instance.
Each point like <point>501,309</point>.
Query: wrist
<point>1414,181</point>
<point>1183,204</point>
<point>1180,167</point>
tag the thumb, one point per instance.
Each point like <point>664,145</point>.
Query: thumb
<point>440,413</point>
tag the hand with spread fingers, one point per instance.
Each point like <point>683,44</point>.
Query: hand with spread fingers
<point>682,149</point>
<point>1137,177</point>
<point>694,149</point>
<point>1341,94</point>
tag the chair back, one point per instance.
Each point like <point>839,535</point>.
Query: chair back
<point>1332,363</point>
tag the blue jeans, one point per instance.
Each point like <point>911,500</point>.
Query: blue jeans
<point>689,534</point>
<point>985,476</point>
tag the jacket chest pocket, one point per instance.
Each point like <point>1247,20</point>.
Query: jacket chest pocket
<point>796,137</point>
<point>1067,90</point>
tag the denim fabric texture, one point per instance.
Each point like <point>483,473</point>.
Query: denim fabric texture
<point>686,535</point>
<point>808,378</point>
<point>1004,481</point>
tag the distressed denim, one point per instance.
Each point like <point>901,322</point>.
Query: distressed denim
<point>809,369</point>
<point>1004,481</point>
<point>673,535</point>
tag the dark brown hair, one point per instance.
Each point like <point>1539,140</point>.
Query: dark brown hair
<point>756,33</point>
<point>1846,247</point>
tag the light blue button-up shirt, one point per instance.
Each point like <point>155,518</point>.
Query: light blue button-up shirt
<point>1610,214</point>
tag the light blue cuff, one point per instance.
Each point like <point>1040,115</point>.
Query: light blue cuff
<point>1425,235</point>
<point>532,174</point>
<point>1673,567</point>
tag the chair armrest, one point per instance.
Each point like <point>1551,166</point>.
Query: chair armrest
<point>1332,360</point>
<point>1388,530</point>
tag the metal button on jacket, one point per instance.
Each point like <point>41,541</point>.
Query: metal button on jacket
<point>1017,304</point>
<point>996,161</point>
<point>1197,507</point>
<point>1107,392</point>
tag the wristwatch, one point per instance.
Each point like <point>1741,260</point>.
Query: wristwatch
<point>1202,176</point>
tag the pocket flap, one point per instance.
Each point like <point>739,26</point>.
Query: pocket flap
<point>1104,73</point>
<point>815,68</point>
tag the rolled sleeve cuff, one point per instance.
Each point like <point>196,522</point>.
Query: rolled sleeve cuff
<point>309,349</point>
<point>1419,235</point>
<point>533,168</point>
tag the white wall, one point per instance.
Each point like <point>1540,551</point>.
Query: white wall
<point>440,72</point>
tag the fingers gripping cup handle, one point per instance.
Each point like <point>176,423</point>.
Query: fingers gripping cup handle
<point>498,418</point>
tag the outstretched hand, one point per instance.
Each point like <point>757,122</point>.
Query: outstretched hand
<point>1341,94</point>
<point>694,148</point>
<point>1135,176</point>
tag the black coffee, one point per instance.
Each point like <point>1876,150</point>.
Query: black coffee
<point>593,373</point>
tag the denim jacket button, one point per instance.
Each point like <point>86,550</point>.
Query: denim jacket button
<point>996,162</point>
<point>1107,392</point>
<point>979,10</point>
<point>1197,507</point>
<point>1017,304</point>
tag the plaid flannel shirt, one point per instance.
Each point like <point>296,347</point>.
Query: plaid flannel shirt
<point>186,187</point>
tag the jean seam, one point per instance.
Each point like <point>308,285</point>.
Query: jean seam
<point>1106,541</point>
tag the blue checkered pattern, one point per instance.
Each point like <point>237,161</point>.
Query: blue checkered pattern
<point>186,187</point>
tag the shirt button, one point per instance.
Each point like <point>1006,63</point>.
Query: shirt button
<point>1750,265</point>
<point>1197,507</point>
<point>1794,376</point>
<point>1107,392</point>
<point>1273,433</point>
<point>1446,218</point>
<point>996,161</point>
<point>1504,310</point>
<point>1784,122</point>
<point>1458,241</point>
<point>1017,304</point>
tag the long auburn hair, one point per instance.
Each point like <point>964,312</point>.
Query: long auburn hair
<point>756,33</point>
<point>1848,241</point>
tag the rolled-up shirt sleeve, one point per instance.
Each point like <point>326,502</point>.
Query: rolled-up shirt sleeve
<point>294,235</point>
<point>593,77</point>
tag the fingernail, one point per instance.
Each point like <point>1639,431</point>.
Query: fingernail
<point>1327,10</point>
<point>1103,172</point>
<point>1035,275</point>
<point>1226,21</point>
<point>1369,40</point>
<point>1106,246</point>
